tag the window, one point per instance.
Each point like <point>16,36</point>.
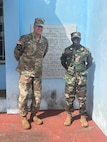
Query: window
<point>2,48</point>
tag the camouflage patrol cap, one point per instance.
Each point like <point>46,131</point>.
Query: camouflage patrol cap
<point>39,22</point>
<point>75,34</point>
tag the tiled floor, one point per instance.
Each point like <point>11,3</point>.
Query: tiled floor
<point>52,130</point>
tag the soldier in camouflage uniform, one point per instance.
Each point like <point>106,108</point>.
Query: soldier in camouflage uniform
<point>29,52</point>
<point>76,59</point>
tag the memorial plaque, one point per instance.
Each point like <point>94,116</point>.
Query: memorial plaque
<point>59,38</point>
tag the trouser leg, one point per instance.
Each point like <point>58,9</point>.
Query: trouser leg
<point>24,86</point>
<point>82,102</point>
<point>36,100</point>
<point>69,109</point>
<point>81,94</point>
<point>69,104</point>
<point>70,97</point>
<point>36,95</point>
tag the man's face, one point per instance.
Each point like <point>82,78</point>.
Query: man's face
<point>76,41</point>
<point>38,29</point>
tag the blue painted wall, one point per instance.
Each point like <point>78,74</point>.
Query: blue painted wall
<point>54,12</point>
<point>11,29</point>
<point>97,41</point>
<point>2,77</point>
<point>89,16</point>
<point>18,19</point>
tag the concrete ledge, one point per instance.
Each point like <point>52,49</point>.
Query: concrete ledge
<point>12,111</point>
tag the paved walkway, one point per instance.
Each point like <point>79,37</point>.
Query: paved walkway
<point>52,130</point>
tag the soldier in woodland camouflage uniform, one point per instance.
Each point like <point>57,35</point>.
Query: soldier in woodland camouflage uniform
<point>29,52</point>
<point>76,59</point>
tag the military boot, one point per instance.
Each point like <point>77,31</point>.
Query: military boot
<point>25,123</point>
<point>83,120</point>
<point>68,120</point>
<point>34,118</point>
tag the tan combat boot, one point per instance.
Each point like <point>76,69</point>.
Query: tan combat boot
<point>25,123</point>
<point>84,122</point>
<point>68,120</point>
<point>34,118</point>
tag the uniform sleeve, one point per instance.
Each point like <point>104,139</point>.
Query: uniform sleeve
<point>63,60</point>
<point>19,48</point>
<point>89,61</point>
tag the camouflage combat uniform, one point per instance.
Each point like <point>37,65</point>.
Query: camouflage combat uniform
<point>30,56</point>
<point>76,62</point>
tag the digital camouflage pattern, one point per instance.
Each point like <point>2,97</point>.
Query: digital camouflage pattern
<point>39,22</point>
<point>30,55</point>
<point>76,62</point>
<point>25,83</point>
